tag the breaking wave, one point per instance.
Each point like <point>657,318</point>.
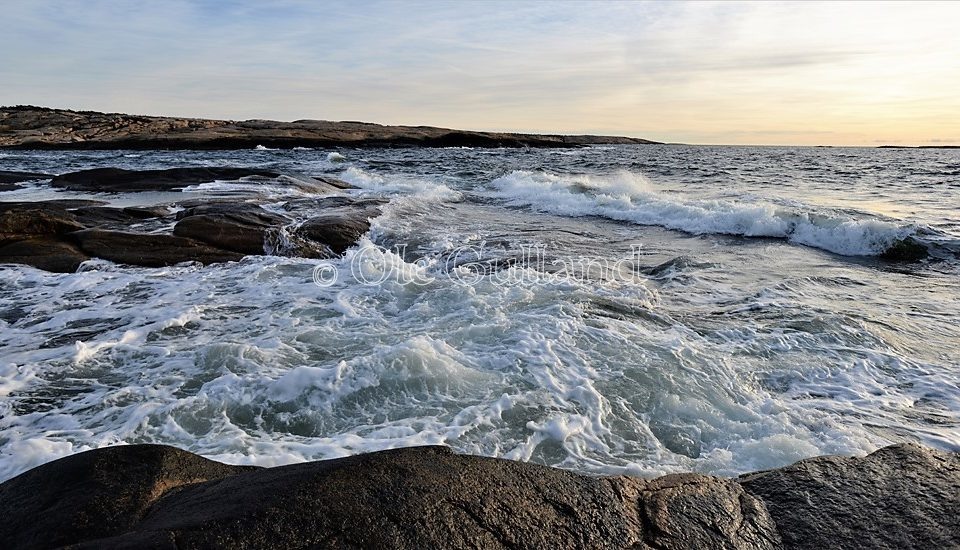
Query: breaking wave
<point>630,197</point>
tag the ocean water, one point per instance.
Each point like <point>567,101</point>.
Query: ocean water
<point>609,310</point>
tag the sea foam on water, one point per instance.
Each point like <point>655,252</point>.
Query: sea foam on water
<point>756,328</point>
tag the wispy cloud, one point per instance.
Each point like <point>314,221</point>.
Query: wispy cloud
<point>718,72</point>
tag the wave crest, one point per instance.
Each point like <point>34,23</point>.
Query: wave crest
<point>630,197</point>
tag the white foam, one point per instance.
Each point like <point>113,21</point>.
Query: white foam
<point>419,189</point>
<point>283,187</point>
<point>252,363</point>
<point>630,197</point>
<point>716,370</point>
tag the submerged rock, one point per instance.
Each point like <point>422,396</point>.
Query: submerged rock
<point>155,496</point>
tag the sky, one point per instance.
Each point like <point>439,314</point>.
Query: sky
<point>798,73</point>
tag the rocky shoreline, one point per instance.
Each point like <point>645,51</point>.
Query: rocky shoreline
<point>155,496</point>
<point>58,235</point>
<point>29,127</point>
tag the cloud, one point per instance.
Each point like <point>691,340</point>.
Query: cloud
<point>677,71</point>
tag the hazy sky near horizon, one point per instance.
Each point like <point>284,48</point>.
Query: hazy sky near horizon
<point>696,72</point>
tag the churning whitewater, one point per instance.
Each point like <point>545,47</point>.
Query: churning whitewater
<point>716,309</point>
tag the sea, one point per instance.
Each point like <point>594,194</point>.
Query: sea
<point>609,310</point>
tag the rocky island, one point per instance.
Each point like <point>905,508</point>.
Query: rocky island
<point>29,127</point>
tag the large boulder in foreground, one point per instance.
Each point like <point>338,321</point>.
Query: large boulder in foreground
<point>154,496</point>
<point>151,496</point>
<point>97,494</point>
<point>904,496</point>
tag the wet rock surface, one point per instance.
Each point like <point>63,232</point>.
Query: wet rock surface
<point>339,231</point>
<point>97,494</point>
<point>58,235</point>
<point>9,178</point>
<point>154,496</point>
<point>48,254</point>
<point>904,496</point>
<point>25,220</point>
<point>425,497</point>
<point>240,227</point>
<point>118,180</point>
<point>28,127</point>
<point>61,203</point>
<point>148,250</point>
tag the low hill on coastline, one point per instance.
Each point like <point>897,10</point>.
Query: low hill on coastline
<point>29,127</point>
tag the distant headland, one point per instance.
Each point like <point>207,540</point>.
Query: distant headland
<point>29,127</point>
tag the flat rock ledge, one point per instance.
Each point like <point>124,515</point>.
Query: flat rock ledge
<point>9,180</point>
<point>155,496</point>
